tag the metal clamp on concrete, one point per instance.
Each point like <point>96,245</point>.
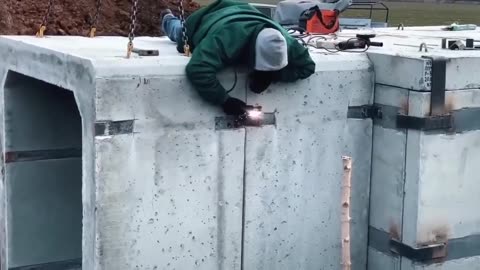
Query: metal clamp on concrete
<point>424,123</point>
<point>254,117</point>
<point>142,52</point>
<point>457,44</point>
<point>365,111</point>
<point>419,254</point>
<point>438,118</point>
<point>108,128</point>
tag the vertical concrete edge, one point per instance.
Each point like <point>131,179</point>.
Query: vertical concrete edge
<point>410,203</point>
<point>3,197</point>
<point>85,100</point>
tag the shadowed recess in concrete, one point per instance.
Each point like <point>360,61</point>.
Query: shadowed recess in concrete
<point>43,142</point>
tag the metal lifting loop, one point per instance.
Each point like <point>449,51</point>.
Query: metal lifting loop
<point>423,46</point>
<point>43,25</point>
<point>186,47</point>
<point>93,24</point>
<point>131,35</point>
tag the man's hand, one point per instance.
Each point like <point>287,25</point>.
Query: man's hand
<point>234,106</point>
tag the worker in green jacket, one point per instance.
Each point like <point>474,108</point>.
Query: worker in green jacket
<point>229,32</point>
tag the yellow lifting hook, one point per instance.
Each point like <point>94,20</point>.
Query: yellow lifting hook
<point>92,32</point>
<point>186,50</point>
<point>41,31</point>
<point>129,49</point>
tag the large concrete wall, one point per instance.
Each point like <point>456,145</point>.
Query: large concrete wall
<point>163,187</point>
<point>422,181</point>
<point>290,171</point>
<point>170,190</point>
<point>57,70</point>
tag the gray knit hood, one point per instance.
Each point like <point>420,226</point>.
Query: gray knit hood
<point>270,50</point>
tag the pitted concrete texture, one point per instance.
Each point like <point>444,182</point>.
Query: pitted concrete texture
<point>422,182</point>
<point>174,193</point>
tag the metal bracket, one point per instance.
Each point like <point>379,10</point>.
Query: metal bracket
<point>142,52</point>
<point>419,254</point>
<point>70,264</point>
<point>456,44</point>
<point>437,119</point>
<point>47,154</point>
<point>444,122</point>
<point>233,122</point>
<point>108,128</point>
<point>365,111</point>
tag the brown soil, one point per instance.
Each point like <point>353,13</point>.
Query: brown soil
<point>73,17</point>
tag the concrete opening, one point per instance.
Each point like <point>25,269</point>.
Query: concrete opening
<point>43,174</point>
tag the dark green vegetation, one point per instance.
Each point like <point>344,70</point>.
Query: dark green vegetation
<point>417,14</point>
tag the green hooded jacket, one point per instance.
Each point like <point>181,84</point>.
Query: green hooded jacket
<point>224,33</point>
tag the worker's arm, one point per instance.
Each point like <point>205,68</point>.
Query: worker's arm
<point>207,59</point>
<point>300,65</point>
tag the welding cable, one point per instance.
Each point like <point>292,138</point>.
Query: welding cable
<point>337,49</point>
<point>235,81</point>
<point>314,38</point>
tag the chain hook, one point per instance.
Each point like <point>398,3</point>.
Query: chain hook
<point>129,49</point>
<point>131,35</point>
<point>92,32</point>
<point>93,28</point>
<point>41,31</point>
<point>186,50</point>
<point>43,25</point>
<point>186,47</point>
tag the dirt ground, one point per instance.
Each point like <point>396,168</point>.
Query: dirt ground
<point>73,17</point>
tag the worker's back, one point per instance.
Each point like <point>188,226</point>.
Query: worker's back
<point>225,33</point>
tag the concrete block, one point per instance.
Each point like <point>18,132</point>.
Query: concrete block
<point>431,200</point>
<point>450,159</point>
<point>401,63</point>
<point>422,205</point>
<point>162,188</point>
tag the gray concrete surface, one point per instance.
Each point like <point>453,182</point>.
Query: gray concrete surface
<point>292,173</point>
<point>170,194</point>
<point>174,193</point>
<point>423,182</point>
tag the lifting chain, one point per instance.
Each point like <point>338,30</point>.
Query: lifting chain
<point>131,35</point>
<point>186,48</point>
<point>43,26</point>
<point>93,24</point>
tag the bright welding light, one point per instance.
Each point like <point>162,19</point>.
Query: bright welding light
<point>255,114</point>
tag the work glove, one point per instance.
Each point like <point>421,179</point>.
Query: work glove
<point>234,106</point>
<point>259,81</point>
